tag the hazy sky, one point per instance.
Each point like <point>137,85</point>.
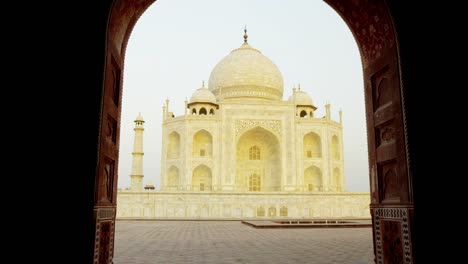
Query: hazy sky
<point>176,43</point>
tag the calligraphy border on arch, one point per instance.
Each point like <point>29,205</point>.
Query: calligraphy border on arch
<point>242,125</point>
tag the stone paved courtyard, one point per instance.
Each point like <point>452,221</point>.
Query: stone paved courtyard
<point>233,242</point>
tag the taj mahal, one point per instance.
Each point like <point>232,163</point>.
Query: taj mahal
<point>240,151</point>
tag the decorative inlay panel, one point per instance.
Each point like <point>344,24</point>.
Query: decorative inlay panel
<point>104,244</point>
<point>371,25</point>
<point>392,235</point>
<point>272,125</point>
<point>106,213</point>
<point>248,91</point>
<point>104,239</point>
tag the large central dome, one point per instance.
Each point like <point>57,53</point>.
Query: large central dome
<point>246,72</point>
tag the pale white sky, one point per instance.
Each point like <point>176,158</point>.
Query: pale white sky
<point>176,43</point>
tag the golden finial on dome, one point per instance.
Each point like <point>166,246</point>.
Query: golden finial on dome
<point>245,34</point>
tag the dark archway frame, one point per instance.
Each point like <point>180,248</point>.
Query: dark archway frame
<point>391,175</point>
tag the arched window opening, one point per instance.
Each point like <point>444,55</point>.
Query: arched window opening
<point>303,114</point>
<point>202,111</point>
<point>258,151</point>
<point>194,111</point>
<point>312,145</point>
<point>201,178</point>
<point>272,211</point>
<point>211,111</point>
<point>313,179</point>
<point>255,183</point>
<point>202,144</point>
<point>254,153</point>
<point>260,211</point>
<point>284,211</point>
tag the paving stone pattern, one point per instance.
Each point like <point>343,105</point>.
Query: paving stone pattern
<point>233,242</point>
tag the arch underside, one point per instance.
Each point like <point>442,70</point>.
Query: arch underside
<point>313,179</point>
<point>264,162</point>
<point>202,178</point>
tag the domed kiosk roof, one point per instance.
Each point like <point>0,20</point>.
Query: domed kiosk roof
<point>139,118</point>
<point>246,72</point>
<point>203,95</point>
<point>301,98</point>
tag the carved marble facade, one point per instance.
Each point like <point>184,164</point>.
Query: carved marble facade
<point>221,142</point>
<point>224,205</point>
<point>239,150</point>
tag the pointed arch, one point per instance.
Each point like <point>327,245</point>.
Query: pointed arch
<point>194,111</point>
<point>202,144</point>
<point>383,49</point>
<point>312,145</point>
<point>258,152</point>
<point>201,178</point>
<point>303,114</point>
<point>202,111</point>
<point>313,178</point>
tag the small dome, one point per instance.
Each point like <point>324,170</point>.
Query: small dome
<point>139,118</point>
<point>301,98</point>
<point>203,95</point>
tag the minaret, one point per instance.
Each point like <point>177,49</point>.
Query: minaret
<point>167,107</point>
<point>341,117</point>
<point>327,111</point>
<point>137,164</point>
